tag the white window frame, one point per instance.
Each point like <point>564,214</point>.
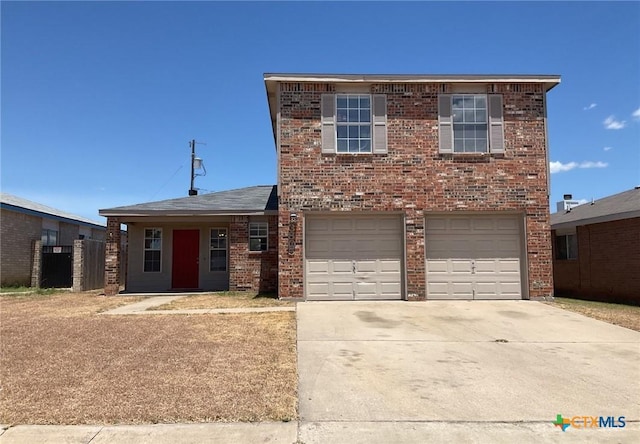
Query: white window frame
<point>225,249</point>
<point>145,249</point>
<point>258,226</point>
<point>348,125</point>
<point>463,124</point>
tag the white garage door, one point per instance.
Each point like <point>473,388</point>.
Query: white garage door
<point>353,258</point>
<point>473,257</point>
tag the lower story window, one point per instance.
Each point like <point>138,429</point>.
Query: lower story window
<point>218,250</point>
<point>566,247</point>
<point>49,237</point>
<point>152,249</point>
<point>258,236</point>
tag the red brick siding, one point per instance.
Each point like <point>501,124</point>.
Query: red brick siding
<point>607,265</point>
<point>413,177</point>
<point>248,270</point>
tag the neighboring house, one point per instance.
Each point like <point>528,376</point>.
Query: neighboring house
<point>389,187</point>
<point>597,249</point>
<point>22,222</point>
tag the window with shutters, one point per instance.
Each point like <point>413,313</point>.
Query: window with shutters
<point>354,124</point>
<point>470,123</point>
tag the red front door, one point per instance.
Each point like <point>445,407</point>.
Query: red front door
<point>185,258</point>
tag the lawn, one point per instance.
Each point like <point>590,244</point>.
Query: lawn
<point>227,299</point>
<point>623,315</point>
<point>61,362</point>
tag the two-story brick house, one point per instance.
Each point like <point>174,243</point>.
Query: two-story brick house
<point>411,187</point>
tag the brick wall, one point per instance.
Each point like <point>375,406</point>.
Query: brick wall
<point>18,231</point>
<point>413,177</point>
<point>607,265</point>
<point>252,270</point>
<point>113,257</point>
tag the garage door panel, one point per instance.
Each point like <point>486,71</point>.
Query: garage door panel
<point>437,266</point>
<point>317,225</point>
<point>366,266</point>
<point>435,224</point>
<point>477,257</point>
<point>483,224</point>
<point>459,266</point>
<point>393,247</point>
<point>318,267</point>
<point>390,266</point>
<point>338,225</point>
<point>362,257</point>
<point>509,266</point>
<point>463,224</point>
<point>341,267</point>
<point>508,225</point>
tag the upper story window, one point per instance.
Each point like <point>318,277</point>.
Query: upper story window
<point>566,247</point>
<point>470,123</point>
<point>152,249</point>
<point>258,236</point>
<point>354,123</point>
<point>49,237</point>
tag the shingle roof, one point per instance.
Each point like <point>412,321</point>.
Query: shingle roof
<point>257,199</point>
<point>623,205</point>
<point>15,203</point>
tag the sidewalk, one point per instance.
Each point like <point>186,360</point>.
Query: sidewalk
<point>219,433</point>
<point>143,308</point>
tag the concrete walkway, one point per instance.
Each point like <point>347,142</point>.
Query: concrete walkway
<point>218,433</point>
<point>145,306</point>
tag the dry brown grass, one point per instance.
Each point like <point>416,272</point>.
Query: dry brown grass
<point>623,315</point>
<point>62,363</point>
<point>229,299</point>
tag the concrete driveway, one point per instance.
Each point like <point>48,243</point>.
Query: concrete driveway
<point>462,371</point>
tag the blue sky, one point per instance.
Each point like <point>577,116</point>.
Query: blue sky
<point>100,99</point>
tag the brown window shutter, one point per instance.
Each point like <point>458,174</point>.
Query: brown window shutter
<point>328,120</point>
<point>445,123</point>
<point>496,124</point>
<point>379,124</point>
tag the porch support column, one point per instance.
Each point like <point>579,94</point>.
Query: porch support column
<point>112,257</point>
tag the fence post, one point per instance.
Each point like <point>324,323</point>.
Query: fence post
<point>112,257</point>
<point>36,263</point>
<point>78,265</point>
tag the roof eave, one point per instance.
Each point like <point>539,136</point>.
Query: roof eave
<point>595,220</point>
<point>178,213</point>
